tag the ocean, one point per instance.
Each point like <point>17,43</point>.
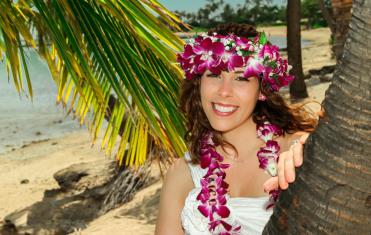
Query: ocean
<point>23,121</point>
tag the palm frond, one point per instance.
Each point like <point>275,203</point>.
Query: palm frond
<point>13,27</point>
<point>96,49</point>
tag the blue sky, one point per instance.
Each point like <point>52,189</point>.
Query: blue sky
<point>194,5</point>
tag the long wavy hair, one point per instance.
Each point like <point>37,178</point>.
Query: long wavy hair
<point>274,109</point>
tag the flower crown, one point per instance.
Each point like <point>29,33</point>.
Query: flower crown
<point>217,53</point>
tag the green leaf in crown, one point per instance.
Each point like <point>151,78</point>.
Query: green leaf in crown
<point>263,38</point>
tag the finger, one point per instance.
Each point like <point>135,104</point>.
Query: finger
<point>297,150</point>
<point>304,138</point>
<point>281,171</point>
<point>289,170</point>
<point>271,184</point>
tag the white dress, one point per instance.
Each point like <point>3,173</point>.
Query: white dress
<point>248,212</point>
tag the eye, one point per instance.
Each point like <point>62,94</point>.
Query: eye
<point>242,78</point>
<point>212,75</point>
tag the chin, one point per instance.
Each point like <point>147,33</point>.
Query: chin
<point>222,126</point>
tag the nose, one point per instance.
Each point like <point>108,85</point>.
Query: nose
<point>225,88</point>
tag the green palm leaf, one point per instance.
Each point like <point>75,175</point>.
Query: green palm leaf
<point>99,48</point>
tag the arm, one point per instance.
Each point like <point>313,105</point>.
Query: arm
<point>177,184</point>
<point>287,162</point>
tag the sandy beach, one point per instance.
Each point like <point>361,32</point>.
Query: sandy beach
<point>37,140</point>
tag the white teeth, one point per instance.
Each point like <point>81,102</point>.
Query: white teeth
<point>224,109</point>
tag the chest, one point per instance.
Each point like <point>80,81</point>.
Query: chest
<point>244,176</point>
<point>246,179</point>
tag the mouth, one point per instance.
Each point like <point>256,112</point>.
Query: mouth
<point>224,109</point>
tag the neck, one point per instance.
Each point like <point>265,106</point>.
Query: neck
<point>243,138</point>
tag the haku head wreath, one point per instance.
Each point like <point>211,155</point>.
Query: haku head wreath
<point>219,53</point>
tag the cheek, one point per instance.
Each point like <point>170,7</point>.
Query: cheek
<point>249,100</point>
<point>205,92</point>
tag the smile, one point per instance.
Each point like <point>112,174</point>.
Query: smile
<point>224,109</point>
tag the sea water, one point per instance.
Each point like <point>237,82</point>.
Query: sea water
<point>23,121</point>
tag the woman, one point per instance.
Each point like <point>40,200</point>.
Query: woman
<point>237,125</point>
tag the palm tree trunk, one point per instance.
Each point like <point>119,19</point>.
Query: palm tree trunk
<point>298,89</point>
<point>332,193</point>
<point>327,15</point>
<point>341,14</point>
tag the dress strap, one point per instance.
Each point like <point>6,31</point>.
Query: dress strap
<point>196,171</point>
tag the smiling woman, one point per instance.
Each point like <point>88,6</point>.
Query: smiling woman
<point>224,99</point>
<point>237,123</point>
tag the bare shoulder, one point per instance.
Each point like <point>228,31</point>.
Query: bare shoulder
<point>179,176</point>
<point>177,184</point>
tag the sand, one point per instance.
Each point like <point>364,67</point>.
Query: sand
<point>36,163</point>
<point>34,160</point>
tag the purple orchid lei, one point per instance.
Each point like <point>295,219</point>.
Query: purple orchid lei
<point>269,154</point>
<point>214,189</point>
<point>217,53</point>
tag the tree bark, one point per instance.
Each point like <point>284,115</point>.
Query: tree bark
<point>327,15</point>
<point>332,192</point>
<point>342,14</point>
<point>298,89</point>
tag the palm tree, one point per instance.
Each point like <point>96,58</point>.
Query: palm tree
<point>99,50</point>
<point>332,193</point>
<point>341,15</point>
<point>298,89</point>
<point>338,20</point>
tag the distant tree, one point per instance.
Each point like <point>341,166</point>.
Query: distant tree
<point>210,9</point>
<point>253,9</point>
<point>298,89</point>
<point>310,9</point>
<point>228,14</point>
<point>327,13</point>
<point>268,14</point>
<point>251,12</point>
<point>281,14</point>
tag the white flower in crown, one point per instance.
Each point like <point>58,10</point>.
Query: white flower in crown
<point>214,39</point>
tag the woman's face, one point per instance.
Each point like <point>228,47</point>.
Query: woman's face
<point>228,99</point>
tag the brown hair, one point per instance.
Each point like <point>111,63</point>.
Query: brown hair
<point>274,109</point>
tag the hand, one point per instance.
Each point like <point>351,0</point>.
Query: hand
<point>286,166</point>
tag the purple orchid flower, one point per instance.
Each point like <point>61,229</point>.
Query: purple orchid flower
<point>270,150</point>
<point>216,223</point>
<point>254,67</point>
<point>266,131</point>
<point>274,195</point>
<point>245,44</point>
<point>270,51</point>
<point>210,55</point>
<point>234,61</point>
<point>272,146</point>
<point>263,162</point>
<point>212,206</point>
